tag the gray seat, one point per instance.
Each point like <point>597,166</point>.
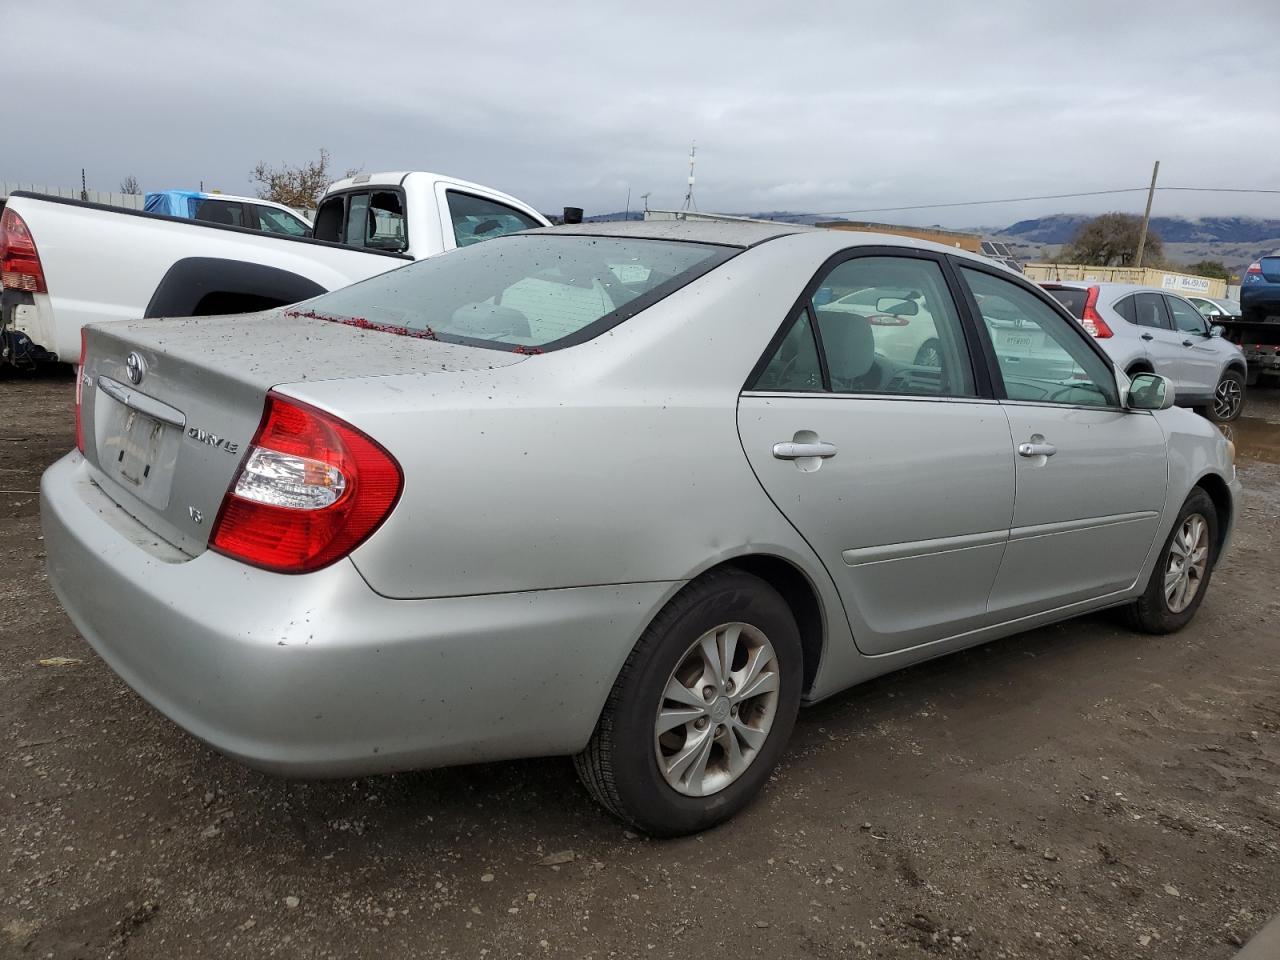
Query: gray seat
<point>850,347</point>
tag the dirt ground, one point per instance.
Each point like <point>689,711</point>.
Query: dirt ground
<point>1078,791</point>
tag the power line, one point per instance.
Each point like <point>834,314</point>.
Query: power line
<point>1048,196</point>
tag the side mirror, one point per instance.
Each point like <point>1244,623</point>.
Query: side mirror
<point>1149,391</point>
<point>1216,330</point>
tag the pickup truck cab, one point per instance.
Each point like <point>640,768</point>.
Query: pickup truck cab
<point>252,212</point>
<point>65,263</point>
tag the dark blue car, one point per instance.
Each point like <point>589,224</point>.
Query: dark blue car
<point>1260,290</point>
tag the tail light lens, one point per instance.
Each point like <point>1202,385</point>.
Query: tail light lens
<point>80,394</point>
<point>19,263</point>
<point>1255,267</point>
<point>311,489</point>
<point>1091,320</point>
<point>887,320</point>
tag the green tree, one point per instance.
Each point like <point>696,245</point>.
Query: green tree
<point>1209,268</point>
<point>1111,240</point>
<point>299,185</point>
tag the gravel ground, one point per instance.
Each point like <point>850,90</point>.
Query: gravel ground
<point>1077,791</point>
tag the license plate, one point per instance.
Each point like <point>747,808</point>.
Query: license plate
<point>139,448</point>
<point>1017,340</point>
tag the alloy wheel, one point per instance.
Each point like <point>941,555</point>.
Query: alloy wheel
<point>1187,561</point>
<point>717,709</point>
<point>1227,399</point>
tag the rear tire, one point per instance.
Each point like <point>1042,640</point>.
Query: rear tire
<point>632,765</point>
<point>1228,398</point>
<point>1181,575</point>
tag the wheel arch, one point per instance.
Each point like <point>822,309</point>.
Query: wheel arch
<point>1220,494</point>
<point>800,595</point>
<point>1139,366</point>
<point>216,284</point>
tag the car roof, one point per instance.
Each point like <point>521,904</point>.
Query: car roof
<point>730,233</point>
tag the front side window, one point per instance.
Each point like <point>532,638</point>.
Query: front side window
<point>278,221</point>
<point>885,324</point>
<point>328,225</point>
<point>531,292</point>
<point>1149,310</point>
<point>1185,319</point>
<point>476,219</point>
<point>1041,355</point>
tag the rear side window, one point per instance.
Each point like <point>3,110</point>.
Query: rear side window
<point>476,219</point>
<point>884,325</point>
<point>1071,298</point>
<point>1125,308</point>
<point>226,212</point>
<point>328,225</point>
<point>1149,310</point>
<point>529,292</point>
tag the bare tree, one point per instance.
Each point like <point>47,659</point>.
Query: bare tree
<point>1111,240</point>
<point>299,185</point>
<point>130,185</point>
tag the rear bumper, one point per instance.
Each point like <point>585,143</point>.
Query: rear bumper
<point>317,675</point>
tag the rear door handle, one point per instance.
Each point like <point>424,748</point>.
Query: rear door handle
<point>794,450</point>
<point>1036,449</point>
<point>1147,336</point>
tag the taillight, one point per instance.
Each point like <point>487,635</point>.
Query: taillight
<point>887,320</point>
<point>1091,320</point>
<point>80,394</point>
<point>311,489</point>
<point>19,263</point>
<point>1255,267</point>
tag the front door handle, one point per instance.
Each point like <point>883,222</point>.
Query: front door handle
<point>796,450</point>
<point>1147,336</point>
<point>1188,343</point>
<point>1036,448</point>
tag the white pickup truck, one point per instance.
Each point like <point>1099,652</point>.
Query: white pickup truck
<point>65,263</point>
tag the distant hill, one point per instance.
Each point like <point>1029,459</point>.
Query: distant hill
<point>1061,227</point>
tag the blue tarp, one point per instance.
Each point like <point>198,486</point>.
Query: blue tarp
<point>175,203</point>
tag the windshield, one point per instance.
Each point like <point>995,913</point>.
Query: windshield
<point>1071,298</point>
<point>525,292</point>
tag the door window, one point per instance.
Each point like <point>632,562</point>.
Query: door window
<point>1042,356</point>
<point>1126,309</point>
<point>476,219</point>
<point>886,325</point>
<point>1185,318</point>
<point>358,217</point>
<point>1149,311</point>
<point>226,212</point>
<point>277,221</point>
<point>328,224</point>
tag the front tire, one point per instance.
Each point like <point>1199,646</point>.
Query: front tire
<point>702,709</point>
<point>1228,398</point>
<point>1181,576</point>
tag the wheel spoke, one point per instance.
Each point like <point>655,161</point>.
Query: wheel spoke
<point>678,692</point>
<point>671,717</point>
<point>711,659</point>
<point>729,649</point>
<point>763,683</point>
<point>752,737</point>
<point>1176,545</point>
<point>698,769</point>
<point>733,751</point>
<point>758,659</point>
<point>1171,581</point>
<point>679,763</point>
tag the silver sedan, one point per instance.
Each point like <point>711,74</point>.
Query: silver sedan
<point>627,492</point>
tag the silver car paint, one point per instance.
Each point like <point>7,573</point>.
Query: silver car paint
<point>551,507</point>
<point>1193,364</point>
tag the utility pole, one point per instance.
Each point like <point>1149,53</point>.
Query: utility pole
<point>627,216</point>
<point>84,191</point>
<point>688,197</point>
<point>1146,217</point>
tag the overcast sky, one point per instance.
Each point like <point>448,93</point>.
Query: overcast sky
<point>842,106</point>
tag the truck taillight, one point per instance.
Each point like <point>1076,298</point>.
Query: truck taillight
<point>80,395</point>
<point>1091,320</point>
<point>19,263</point>
<point>310,490</point>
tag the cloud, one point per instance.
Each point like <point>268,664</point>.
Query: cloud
<point>828,107</point>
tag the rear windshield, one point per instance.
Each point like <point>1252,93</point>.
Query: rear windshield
<point>538,292</point>
<point>1071,298</point>
<point>1270,267</point>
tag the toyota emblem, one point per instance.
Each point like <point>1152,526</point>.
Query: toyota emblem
<point>136,367</point>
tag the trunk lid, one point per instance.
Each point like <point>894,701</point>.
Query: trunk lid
<point>169,407</point>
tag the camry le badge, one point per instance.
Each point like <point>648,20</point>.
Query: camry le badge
<point>136,367</point>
